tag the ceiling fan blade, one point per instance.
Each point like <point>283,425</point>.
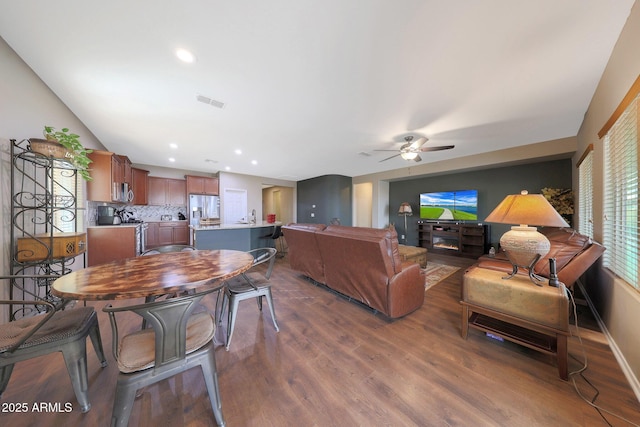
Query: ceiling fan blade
<point>417,158</point>
<point>418,143</point>
<point>396,155</point>
<point>440,148</point>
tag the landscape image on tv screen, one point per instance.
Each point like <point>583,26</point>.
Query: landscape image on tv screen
<point>450,205</point>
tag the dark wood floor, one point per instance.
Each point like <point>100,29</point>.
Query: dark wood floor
<point>334,363</point>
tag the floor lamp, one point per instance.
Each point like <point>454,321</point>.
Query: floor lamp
<point>405,210</point>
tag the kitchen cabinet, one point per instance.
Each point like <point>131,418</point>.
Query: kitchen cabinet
<point>110,243</point>
<point>125,165</point>
<point>202,185</point>
<point>167,233</point>
<point>167,191</point>
<point>152,235</point>
<point>109,172</point>
<point>139,178</point>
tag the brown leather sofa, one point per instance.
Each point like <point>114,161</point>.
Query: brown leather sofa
<point>361,263</point>
<point>574,254</point>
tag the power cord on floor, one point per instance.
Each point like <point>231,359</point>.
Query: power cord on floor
<point>584,367</point>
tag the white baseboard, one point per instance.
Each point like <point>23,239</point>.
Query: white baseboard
<point>626,369</point>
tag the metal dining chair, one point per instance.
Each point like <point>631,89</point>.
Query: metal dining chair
<point>64,331</point>
<point>177,341</point>
<point>162,250</point>
<point>250,284</point>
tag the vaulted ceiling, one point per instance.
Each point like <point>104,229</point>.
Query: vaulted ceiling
<point>314,88</point>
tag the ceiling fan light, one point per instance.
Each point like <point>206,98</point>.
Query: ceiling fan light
<point>409,155</point>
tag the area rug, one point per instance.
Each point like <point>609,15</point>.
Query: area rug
<point>435,272</point>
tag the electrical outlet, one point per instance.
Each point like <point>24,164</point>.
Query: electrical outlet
<point>402,237</point>
<point>313,215</point>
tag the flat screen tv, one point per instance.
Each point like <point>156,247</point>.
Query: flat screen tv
<point>450,205</point>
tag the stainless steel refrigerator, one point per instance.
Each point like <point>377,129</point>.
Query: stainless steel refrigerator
<point>204,210</point>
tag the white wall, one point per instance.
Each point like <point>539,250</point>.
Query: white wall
<point>618,303</point>
<point>26,106</point>
<point>253,185</point>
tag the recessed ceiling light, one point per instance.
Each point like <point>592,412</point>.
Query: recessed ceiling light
<point>238,151</point>
<point>254,162</point>
<point>171,159</point>
<point>174,146</point>
<point>227,168</point>
<point>185,56</point>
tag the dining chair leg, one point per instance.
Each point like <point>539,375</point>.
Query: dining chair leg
<point>221,305</point>
<point>273,312</point>
<point>233,311</point>
<point>75,357</point>
<point>211,380</point>
<point>96,340</point>
<point>122,404</point>
<point>5,375</point>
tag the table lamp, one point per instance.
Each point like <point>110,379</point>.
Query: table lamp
<point>523,244</point>
<point>405,210</point>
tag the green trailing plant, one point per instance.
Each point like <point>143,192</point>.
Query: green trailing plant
<point>78,155</point>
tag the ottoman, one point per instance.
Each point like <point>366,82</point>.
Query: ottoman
<point>517,310</point>
<point>413,254</point>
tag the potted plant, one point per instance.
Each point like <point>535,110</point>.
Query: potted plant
<point>63,144</point>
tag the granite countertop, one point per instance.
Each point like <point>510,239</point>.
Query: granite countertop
<point>235,226</point>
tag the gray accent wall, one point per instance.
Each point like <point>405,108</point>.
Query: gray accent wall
<point>323,198</point>
<point>492,185</point>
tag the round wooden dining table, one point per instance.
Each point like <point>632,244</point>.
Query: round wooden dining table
<point>152,275</point>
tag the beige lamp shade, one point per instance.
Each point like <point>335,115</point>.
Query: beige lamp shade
<point>526,209</point>
<point>523,244</point>
<point>405,209</point>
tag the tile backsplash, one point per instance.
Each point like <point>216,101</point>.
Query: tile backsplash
<point>145,213</point>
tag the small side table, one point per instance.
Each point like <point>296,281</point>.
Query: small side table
<point>515,309</point>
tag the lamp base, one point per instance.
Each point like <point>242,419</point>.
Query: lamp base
<point>524,246</point>
<point>536,279</point>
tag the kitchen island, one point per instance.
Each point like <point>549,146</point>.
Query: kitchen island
<point>241,237</point>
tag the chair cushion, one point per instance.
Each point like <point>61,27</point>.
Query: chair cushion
<point>137,350</point>
<point>62,325</point>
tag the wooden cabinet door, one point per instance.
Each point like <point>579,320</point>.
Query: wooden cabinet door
<point>165,234</point>
<point>125,166</point>
<point>211,186</point>
<point>110,244</point>
<point>181,234</point>
<point>195,184</point>
<point>100,188</point>
<point>139,185</point>
<point>117,178</point>
<point>157,191</point>
<point>152,235</point>
<point>176,192</point>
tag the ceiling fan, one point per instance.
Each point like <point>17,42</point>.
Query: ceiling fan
<point>411,149</point>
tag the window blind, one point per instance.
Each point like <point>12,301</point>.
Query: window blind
<point>621,195</point>
<point>585,197</point>
<point>69,199</point>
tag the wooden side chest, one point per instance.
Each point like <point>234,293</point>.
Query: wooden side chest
<point>56,246</point>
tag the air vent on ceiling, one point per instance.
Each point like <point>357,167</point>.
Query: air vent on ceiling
<point>207,100</point>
